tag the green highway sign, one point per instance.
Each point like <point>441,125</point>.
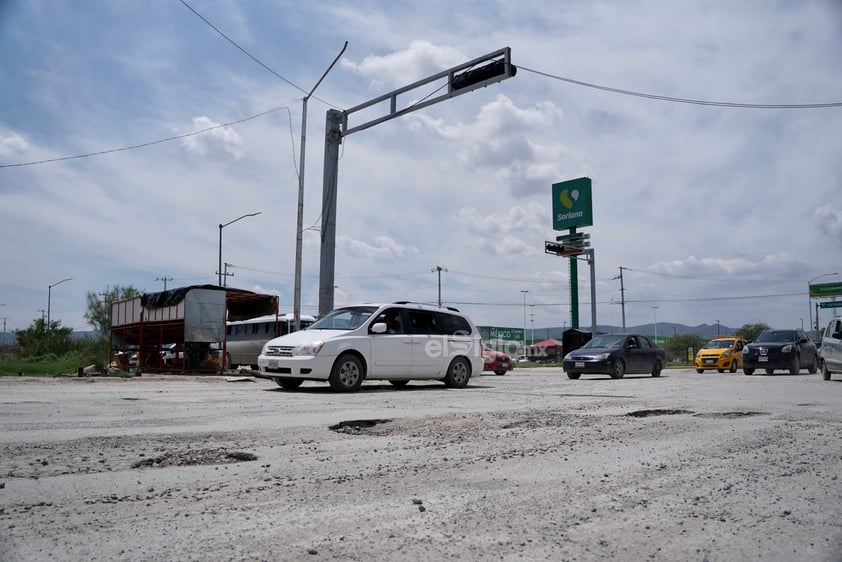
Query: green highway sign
<point>831,304</point>
<point>826,290</point>
<point>572,204</point>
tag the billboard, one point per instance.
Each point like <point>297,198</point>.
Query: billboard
<point>820,290</point>
<point>572,204</point>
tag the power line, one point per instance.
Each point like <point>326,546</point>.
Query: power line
<point>685,100</point>
<point>540,73</point>
<point>145,144</point>
<point>248,54</point>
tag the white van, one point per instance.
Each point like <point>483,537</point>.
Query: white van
<point>831,348</point>
<point>397,342</point>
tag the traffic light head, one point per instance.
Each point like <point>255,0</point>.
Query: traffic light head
<point>482,76</point>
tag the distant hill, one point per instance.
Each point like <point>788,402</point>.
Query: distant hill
<point>665,329</point>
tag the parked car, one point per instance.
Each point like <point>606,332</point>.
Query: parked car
<point>496,361</point>
<point>615,355</point>
<point>721,353</point>
<point>397,342</point>
<point>781,349</point>
<point>831,348</point>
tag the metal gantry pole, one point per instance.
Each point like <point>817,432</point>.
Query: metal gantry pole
<point>592,264</point>
<point>299,232</point>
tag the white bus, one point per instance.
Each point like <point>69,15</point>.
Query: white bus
<point>245,338</point>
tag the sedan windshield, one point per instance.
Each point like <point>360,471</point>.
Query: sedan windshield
<point>776,336</point>
<point>718,344</point>
<point>606,341</point>
<point>344,318</point>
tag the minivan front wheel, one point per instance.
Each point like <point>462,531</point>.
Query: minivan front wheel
<point>458,373</point>
<point>346,374</point>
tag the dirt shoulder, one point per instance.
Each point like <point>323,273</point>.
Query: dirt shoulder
<point>528,466</point>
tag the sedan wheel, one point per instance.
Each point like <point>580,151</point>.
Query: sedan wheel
<point>656,368</point>
<point>796,366</point>
<point>618,370</point>
<point>748,371</point>
<point>572,375</point>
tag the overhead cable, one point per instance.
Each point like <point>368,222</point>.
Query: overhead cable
<point>248,54</point>
<point>685,100</point>
<point>142,145</point>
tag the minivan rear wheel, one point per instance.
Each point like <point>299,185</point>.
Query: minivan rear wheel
<point>458,373</point>
<point>346,374</point>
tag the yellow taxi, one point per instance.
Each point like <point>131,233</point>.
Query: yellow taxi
<point>721,353</point>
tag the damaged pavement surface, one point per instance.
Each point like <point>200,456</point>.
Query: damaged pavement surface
<point>530,466</point>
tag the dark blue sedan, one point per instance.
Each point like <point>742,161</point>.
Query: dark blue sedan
<point>615,355</point>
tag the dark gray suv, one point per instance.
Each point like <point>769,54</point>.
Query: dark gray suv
<point>788,350</point>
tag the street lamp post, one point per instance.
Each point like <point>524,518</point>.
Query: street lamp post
<point>524,291</point>
<point>810,299</point>
<point>532,322</point>
<point>50,296</point>
<point>299,231</point>
<point>221,226</point>
<point>655,312</point>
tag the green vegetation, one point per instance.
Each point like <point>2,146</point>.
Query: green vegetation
<point>52,351</point>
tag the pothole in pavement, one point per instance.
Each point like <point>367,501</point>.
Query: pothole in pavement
<point>356,426</point>
<point>675,412</point>
<point>730,415</point>
<point>197,457</point>
<point>658,412</point>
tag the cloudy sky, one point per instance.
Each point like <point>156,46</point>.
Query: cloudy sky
<point>715,212</point>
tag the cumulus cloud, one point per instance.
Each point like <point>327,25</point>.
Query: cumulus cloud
<point>219,139</point>
<point>829,221</point>
<point>401,68</point>
<point>12,144</point>
<point>384,247</point>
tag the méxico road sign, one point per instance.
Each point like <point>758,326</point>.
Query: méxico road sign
<point>826,290</point>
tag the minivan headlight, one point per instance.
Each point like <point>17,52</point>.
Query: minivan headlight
<point>309,348</point>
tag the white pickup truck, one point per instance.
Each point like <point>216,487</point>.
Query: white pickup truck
<point>831,348</point>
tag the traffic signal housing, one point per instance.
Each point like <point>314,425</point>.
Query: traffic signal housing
<point>559,249</point>
<point>494,71</point>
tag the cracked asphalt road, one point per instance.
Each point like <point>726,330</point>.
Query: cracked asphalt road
<point>528,466</point>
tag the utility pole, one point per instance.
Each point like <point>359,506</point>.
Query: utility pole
<point>299,231</point>
<point>461,79</point>
<point>622,296</point>
<point>226,275</point>
<point>164,279</point>
<point>439,269</point>
<point>4,329</point>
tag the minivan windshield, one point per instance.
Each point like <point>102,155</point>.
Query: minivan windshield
<point>348,318</point>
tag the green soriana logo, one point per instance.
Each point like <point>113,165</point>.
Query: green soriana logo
<point>572,204</point>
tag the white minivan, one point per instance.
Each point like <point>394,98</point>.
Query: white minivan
<point>397,342</point>
<point>831,348</point>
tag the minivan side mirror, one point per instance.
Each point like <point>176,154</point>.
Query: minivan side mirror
<point>378,328</point>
